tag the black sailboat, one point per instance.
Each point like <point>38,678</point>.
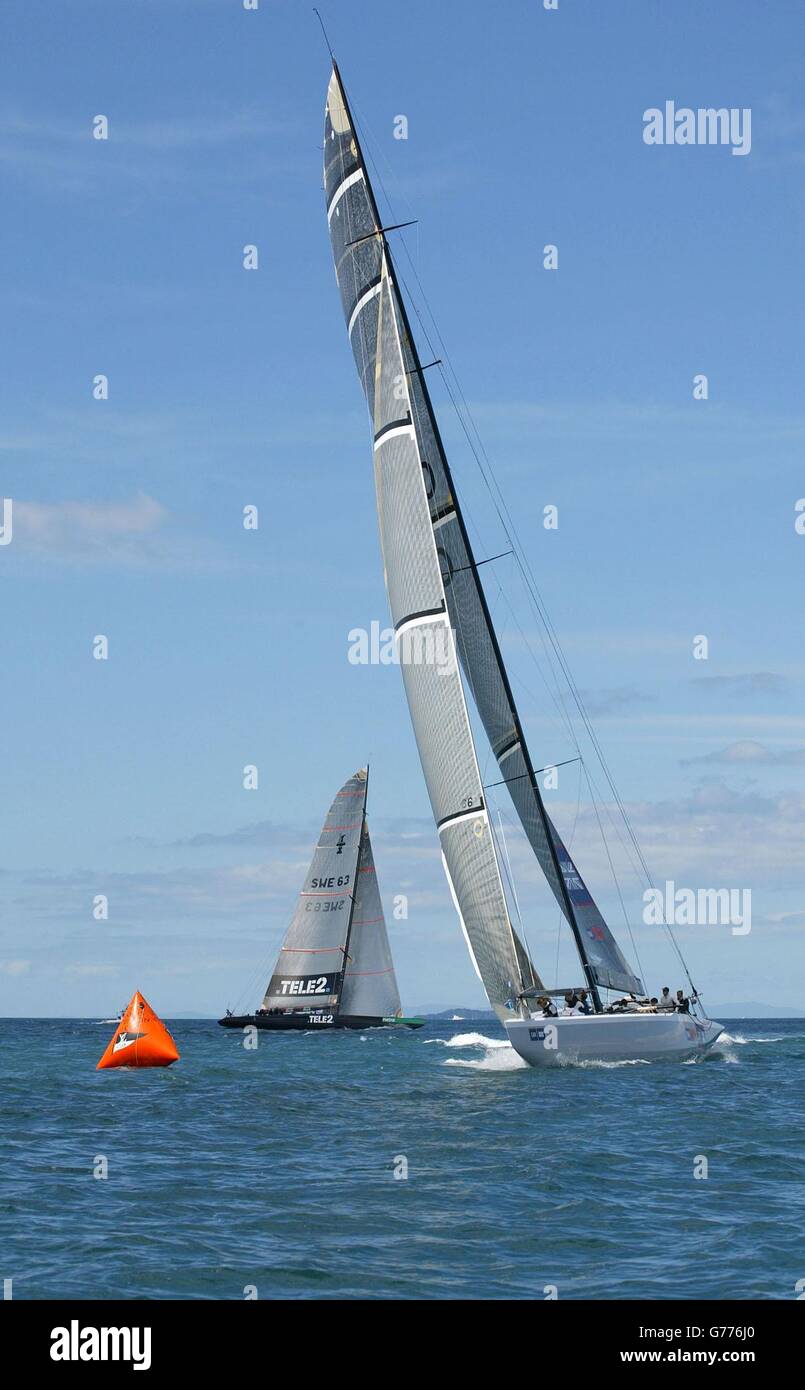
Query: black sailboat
<point>334,969</point>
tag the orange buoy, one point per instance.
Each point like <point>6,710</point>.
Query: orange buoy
<point>140,1039</point>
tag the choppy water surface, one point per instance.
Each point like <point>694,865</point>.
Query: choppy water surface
<point>276,1168</point>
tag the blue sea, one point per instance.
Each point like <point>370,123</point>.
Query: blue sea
<point>274,1173</point>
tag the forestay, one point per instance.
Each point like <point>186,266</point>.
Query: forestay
<point>405,429</point>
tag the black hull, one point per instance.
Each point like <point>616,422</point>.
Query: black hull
<point>297,1023</point>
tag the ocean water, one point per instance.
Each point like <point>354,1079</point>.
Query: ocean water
<point>274,1170</point>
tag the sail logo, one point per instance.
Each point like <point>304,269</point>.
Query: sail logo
<point>707,125</point>
<point>75,1343</point>
<point>425,644</point>
<point>288,985</point>
<point>704,907</point>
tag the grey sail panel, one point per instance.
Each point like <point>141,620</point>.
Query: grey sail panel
<point>310,966</point>
<point>370,984</point>
<point>412,568</point>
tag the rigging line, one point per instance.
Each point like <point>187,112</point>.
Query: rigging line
<point>459,569</point>
<point>549,767</point>
<point>565,718</point>
<point>324,31</point>
<point>667,926</point>
<point>617,884</point>
<point>555,696</point>
<point>561,661</point>
<point>559,702</point>
<point>570,847</point>
<point>501,508</point>
<point>505,518</point>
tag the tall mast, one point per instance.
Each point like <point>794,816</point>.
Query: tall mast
<point>354,894</point>
<point>520,737</point>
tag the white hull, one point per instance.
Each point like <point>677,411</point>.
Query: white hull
<point>550,1042</point>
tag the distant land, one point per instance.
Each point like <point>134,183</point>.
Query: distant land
<point>752,1009</point>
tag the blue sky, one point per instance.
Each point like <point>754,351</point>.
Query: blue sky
<point>229,388</point>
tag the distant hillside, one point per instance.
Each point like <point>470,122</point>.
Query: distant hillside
<point>752,1009</point>
<point>454,1015</point>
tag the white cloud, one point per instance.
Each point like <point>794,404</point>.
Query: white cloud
<point>747,752</point>
<point>91,970</point>
<point>60,525</point>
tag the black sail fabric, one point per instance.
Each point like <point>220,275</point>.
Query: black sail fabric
<point>310,967</point>
<point>358,258</point>
<point>413,571</point>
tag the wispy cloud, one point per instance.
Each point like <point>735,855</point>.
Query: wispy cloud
<point>621,421</point>
<point>749,752</point>
<point>87,530</point>
<point>714,835</point>
<point>15,967</point>
<point>260,833</point>
<point>613,699</point>
<point>92,970</point>
<point>745,683</point>
<point>138,533</point>
<point>170,152</point>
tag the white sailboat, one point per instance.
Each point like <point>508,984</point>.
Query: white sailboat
<point>437,601</point>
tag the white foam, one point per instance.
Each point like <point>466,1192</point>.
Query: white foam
<point>623,1062</point>
<point>500,1057</point>
<point>471,1040</point>
<point>743,1041</point>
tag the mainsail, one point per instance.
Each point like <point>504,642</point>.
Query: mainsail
<point>413,572</point>
<point>336,952</point>
<point>433,584</point>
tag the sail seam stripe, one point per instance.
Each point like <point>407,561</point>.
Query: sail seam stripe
<point>462,815</point>
<point>346,183</point>
<point>309,950</point>
<point>427,615</point>
<point>507,751</point>
<point>393,428</point>
<point>443,518</point>
<point>310,894</point>
<point>370,293</point>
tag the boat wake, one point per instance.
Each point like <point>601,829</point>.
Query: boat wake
<point>498,1059</point>
<point>499,1055</point>
<point>744,1041</point>
<point>469,1040</point>
<point>600,1062</point>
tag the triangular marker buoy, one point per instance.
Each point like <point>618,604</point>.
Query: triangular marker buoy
<point>140,1039</point>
